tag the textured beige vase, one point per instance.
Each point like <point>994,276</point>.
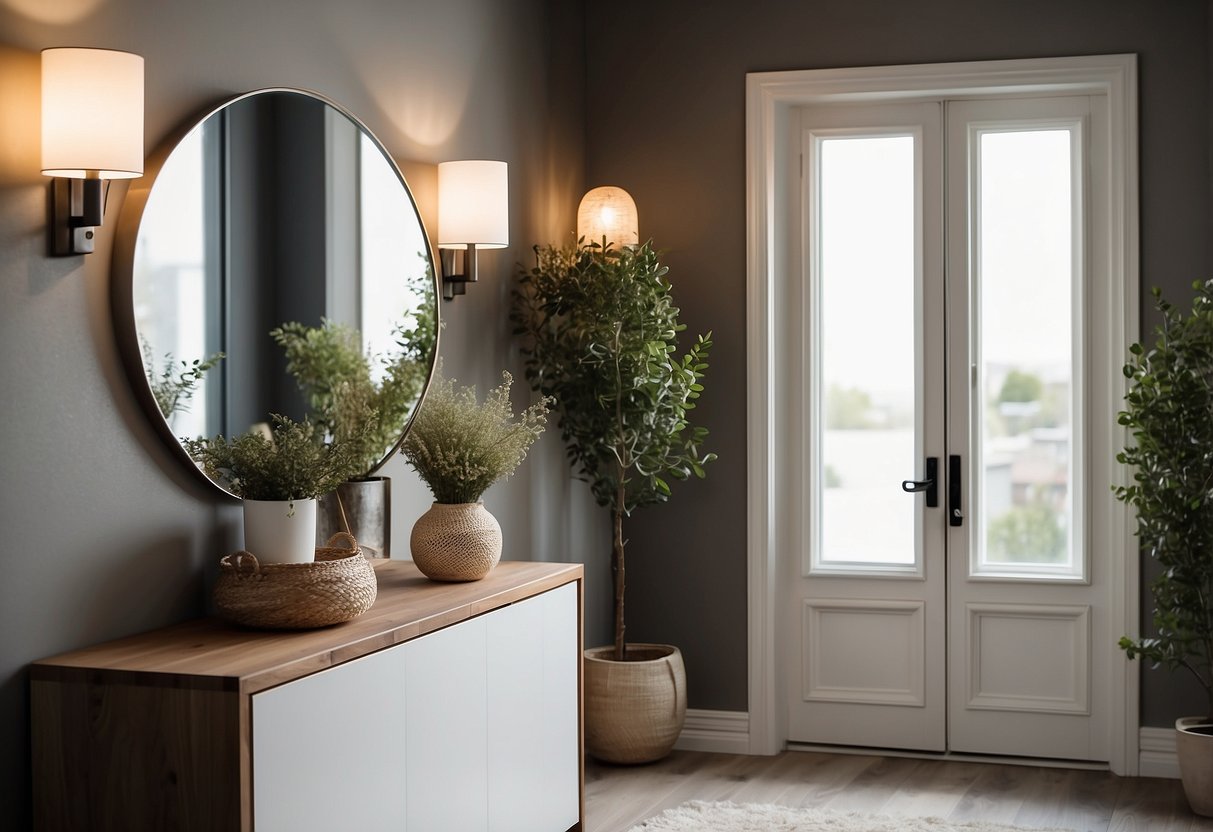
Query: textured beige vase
<point>1194,746</point>
<point>456,542</point>
<point>634,710</point>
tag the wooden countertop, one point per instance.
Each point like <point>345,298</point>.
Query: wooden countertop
<point>211,654</point>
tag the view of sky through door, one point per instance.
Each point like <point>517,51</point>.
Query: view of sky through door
<point>868,339</point>
<point>1024,342</point>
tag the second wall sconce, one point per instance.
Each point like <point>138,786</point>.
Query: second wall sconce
<point>608,214</point>
<point>92,131</point>
<point>473,213</point>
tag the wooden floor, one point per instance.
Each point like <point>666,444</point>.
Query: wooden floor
<point>619,797</point>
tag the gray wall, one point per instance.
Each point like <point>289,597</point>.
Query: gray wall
<point>104,532</point>
<point>665,119</point>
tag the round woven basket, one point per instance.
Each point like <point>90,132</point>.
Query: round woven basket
<point>634,709</point>
<point>456,542</point>
<point>338,586</point>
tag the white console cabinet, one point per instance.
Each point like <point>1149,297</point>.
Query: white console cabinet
<point>446,707</point>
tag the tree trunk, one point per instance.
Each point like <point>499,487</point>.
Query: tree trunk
<point>619,569</point>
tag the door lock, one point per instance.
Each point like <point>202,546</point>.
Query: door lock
<point>955,516</point>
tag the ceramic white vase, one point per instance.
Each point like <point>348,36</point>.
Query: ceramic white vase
<point>280,531</point>
<point>456,542</point>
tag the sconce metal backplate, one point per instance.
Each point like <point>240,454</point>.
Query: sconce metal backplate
<point>76,210</point>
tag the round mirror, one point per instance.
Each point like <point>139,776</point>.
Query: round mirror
<point>270,253</point>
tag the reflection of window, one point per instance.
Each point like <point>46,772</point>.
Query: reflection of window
<point>394,251</point>
<point>172,306</point>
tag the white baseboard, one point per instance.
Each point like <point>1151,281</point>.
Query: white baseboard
<point>726,732</point>
<point>1156,757</point>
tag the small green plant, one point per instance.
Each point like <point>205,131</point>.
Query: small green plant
<point>292,463</point>
<point>338,378</point>
<point>1169,413</point>
<point>599,329</point>
<point>174,386</point>
<point>460,447</point>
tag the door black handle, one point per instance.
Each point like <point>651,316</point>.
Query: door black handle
<point>929,485</point>
<point>955,516</point>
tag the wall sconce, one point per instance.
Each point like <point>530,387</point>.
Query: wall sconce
<point>473,213</point>
<point>92,131</point>
<point>608,215</point>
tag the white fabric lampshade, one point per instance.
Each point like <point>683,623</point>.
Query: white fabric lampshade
<point>473,204</point>
<point>608,212</point>
<point>92,113</point>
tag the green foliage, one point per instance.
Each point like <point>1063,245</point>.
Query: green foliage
<point>291,464</point>
<point>1028,533</point>
<point>599,330</point>
<point>172,387</point>
<point>1019,386</point>
<point>460,447</point>
<point>1169,413</point>
<point>329,366</point>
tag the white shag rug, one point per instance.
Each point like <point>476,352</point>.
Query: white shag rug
<point>700,816</point>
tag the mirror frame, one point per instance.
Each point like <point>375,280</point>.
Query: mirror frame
<point>126,235</point>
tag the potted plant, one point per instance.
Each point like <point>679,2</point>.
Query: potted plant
<point>599,328</point>
<point>1169,413</point>
<point>460,447</point>
<point>278,477</point>
<point>352,393</point>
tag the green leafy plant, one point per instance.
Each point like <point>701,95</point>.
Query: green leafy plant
<point>599,331</point>
<point>1169,413</point>
<point>292,463</point>
<point>173,386</point>
<point>339,380</point>
<point>460,447</point>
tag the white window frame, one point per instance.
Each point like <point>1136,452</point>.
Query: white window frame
<point>774,527</point>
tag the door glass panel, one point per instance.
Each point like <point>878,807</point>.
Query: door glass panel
<point>1024,341</point>
<point>867,354</point>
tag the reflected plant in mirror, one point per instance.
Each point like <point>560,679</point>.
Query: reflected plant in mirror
<point>172,387</point>
<point>353,393</point>
<point>277,206</point>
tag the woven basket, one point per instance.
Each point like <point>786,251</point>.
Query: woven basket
<point>338,586</point>
<point>635,709</point>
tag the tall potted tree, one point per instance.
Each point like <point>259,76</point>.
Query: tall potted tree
<point>599,332</point>
<point>1169,413</point>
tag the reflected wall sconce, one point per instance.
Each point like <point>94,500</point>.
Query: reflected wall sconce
<point>608,214</point>
<point>92,131</point>
<point>473,213</point>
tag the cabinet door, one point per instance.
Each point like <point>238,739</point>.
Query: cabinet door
<point>445,711</point>
<point>329,749</point>
<point>532,714</point>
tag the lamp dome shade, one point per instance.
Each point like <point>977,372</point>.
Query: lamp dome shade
<point>473,204</point>
<point>92,113</point>
<point>608,212</point>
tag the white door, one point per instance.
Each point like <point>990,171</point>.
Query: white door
<point>948,595</point>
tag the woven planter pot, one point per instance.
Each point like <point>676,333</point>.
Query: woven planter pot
<point>634,710</point>
<point>1194,747</point>
<point>456,542</point>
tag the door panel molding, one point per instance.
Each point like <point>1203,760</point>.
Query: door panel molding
<point>878,639</point>
<point>1062,640</point>
<point>774,523</point>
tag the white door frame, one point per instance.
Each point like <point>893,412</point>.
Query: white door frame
<point>773,523</point>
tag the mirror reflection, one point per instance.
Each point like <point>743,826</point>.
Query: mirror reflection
<point>278,236</point>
